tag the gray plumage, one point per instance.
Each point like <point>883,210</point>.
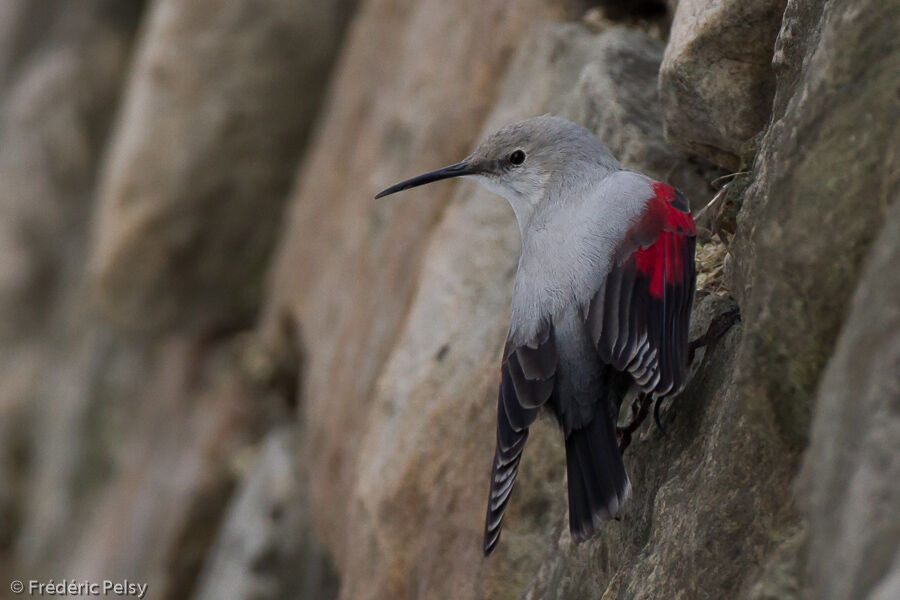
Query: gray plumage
<point>600,303</point>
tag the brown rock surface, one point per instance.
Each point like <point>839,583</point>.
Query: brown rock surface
<point>115,453</point>
<point>716,81</point>
<point>61,78</point>
<point>160,511</point>
<point>178,458</point>
<point>616,97</point>
<point>415,520</point>
<point>55,109</point>
<point>348,265</point>
<point>221,98</point>
<point>853,464</point>
<point>821,184</point>
<point>266,548</point>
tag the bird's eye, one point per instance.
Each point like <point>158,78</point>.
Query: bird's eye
<point>517,158</point>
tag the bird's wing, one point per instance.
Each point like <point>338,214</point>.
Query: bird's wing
<point>639,316</point>
<point>526,382</point>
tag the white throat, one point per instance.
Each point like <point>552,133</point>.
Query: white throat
<point>523,201</point>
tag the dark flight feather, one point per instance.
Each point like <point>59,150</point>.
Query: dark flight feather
<point>526,383</point>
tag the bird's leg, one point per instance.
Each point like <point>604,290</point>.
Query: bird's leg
<point>640,407</point>
<point>718,327</point>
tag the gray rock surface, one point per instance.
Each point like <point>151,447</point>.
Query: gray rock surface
<point>416,509</point>
<point>341,447</point>
<point>265,549</point>
<point>616,97</point>
<point>347,267</point>
<point>91,420</point>
<point>219,104</point>
<point>822,182</point>
<point>853,463</point>
<point>821,185</point>
<point>54,116</point>
<point>716,81</point>
<point>62,74</point>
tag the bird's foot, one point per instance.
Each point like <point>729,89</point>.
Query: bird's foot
<point>718,327</point>
<point>640,408</point>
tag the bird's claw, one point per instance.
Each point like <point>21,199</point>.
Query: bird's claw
<point>640,407</point>
<point>718,327</point>
<point>656,419</point>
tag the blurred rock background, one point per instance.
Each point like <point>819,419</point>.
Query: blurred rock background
<point>229,373</point>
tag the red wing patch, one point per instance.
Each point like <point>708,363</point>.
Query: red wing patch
<point>639,317</point>
<point>664,260</point>
<point>669,202</point>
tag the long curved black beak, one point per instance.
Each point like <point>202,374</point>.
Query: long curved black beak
<point>457,170</point>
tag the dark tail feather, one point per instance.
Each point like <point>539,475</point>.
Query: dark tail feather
<point>598,485</point>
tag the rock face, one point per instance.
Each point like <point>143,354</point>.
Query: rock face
<point>219,104</point>
<point>427,396</point>
<point>114,452</point>
<point>55,113</point>
<point>340,447</point>
<point>386,119</point>
<point>62,74</point>
<point>266,549</point>
<point>853,462</point>
<point>616,97</point>
<point>822,181</point>
<point>716,79</point>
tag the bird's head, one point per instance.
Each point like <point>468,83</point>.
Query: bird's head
<point>521,161</point>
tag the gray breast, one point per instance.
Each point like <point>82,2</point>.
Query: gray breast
<point>567,249</point>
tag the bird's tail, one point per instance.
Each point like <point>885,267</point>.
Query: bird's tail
<point>598,485</point>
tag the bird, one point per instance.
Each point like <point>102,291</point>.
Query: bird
<point>600,306</point>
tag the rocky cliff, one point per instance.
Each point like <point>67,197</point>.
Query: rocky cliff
<point>228,372</point>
